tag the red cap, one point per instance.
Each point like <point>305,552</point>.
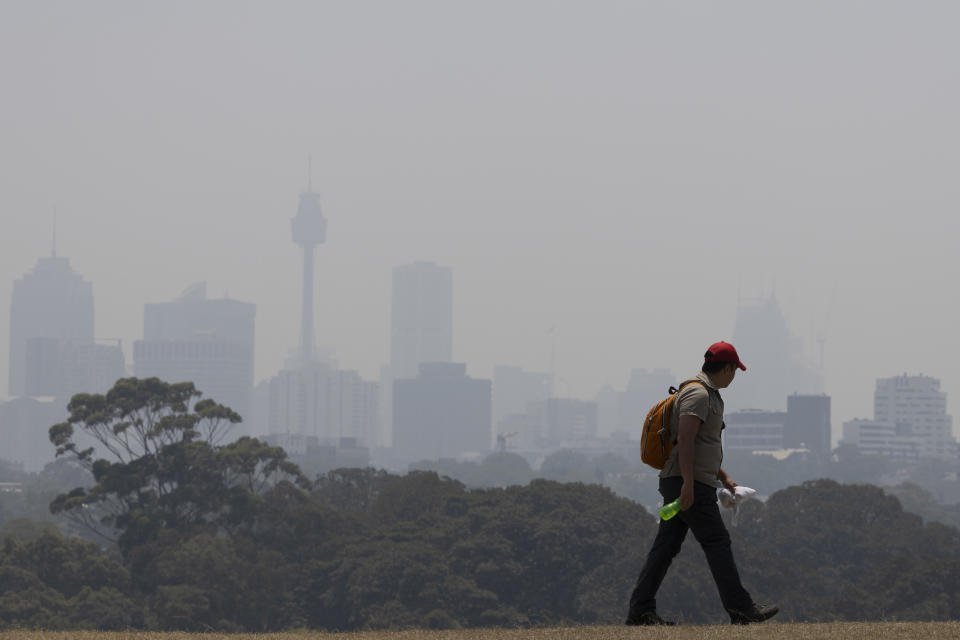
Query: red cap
<point>723,352</point>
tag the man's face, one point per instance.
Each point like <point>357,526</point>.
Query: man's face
<point>725,376</point>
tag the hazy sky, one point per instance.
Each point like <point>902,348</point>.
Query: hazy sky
<point>618,170</point>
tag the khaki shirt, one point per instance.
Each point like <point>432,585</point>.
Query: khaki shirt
<point>703,401</point>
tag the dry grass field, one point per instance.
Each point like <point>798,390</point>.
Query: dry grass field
<point>833,631</point>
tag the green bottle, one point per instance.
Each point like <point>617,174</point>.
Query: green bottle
<point>667,511</point>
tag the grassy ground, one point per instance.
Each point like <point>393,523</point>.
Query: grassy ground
<point>834,631</point>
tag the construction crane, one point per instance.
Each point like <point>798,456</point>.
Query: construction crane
<point>502,441</point>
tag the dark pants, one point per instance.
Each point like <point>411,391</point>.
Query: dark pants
<point>708,528</point>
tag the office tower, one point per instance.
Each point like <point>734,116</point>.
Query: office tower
<point>421,330</point>
<point>568,420</point>
<point>421,318</point>
<point>808,423</point>
<point>442,413</point>
<point>206,342</point>
<point>299,399</point>
<point>319,401</point>
<point>514,389</point>
<point>916,403</point>
<point>910,420</point>
<point>356,408</point>
<point>53,355</point>
<point>52,301</point>
<point>776,364</point>
<point>62,368</point>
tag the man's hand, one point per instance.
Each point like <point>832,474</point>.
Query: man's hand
<point>686,496</point>
<point>726,480</point>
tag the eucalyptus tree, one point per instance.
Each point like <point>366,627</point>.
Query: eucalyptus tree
<point>154,449</point>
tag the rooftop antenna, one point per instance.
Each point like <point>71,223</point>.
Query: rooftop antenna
<point>309,173</point>
<point>53,250</point>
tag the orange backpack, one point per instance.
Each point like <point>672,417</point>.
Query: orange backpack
<point>656,443</point>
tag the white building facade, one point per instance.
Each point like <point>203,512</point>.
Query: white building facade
<point>318,401</point>
<point>910,420</point>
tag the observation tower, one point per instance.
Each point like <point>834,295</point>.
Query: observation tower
<point>309,229</point>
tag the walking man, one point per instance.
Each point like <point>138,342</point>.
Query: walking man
<point>693,472</point>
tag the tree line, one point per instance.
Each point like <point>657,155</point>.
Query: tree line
<point>195,535</point>
<point>928,487</point>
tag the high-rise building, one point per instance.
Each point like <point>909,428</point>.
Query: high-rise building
<point>808,423</point>
<point>514,389</point>
<point>206,342</point>
<point>421,318</point>
<point>52,301</point>
<point>421,330</point>
<point>355,407</point>
<point>53,355</point>
<point>442,413</point>
<point>61,368</point>
<point>324,403</point>
<point>917,403</point>
<point>910,419</point>
<point>299,399</point>
<point>777,367</point>
<point>570,420</point>
<point>193,316</point>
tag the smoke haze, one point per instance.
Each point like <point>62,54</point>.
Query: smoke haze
<point>621,171</point>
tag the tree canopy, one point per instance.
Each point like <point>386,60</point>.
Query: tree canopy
<point>232,537</point>
<point>156,464</point>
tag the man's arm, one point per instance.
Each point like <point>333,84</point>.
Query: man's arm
<point>726,480</point>
<point>687,431</point>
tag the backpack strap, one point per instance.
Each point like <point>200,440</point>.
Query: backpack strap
<point>674,390</point>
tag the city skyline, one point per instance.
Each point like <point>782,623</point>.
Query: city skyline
<point>196,293</point>
<point>639,169</point>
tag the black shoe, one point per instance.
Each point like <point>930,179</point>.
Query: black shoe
<point>756,613</point>
<point>648,618</point>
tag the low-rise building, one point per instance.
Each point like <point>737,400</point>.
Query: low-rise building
<point>874,437</point>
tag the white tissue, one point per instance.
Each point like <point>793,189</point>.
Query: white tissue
<point>730,499</point>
